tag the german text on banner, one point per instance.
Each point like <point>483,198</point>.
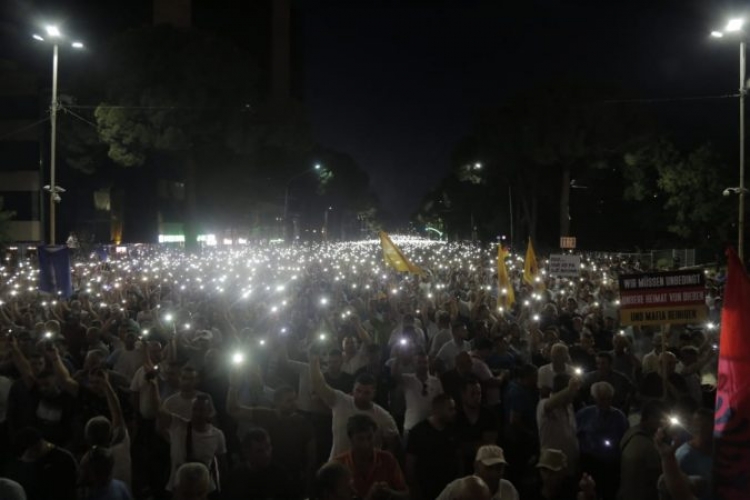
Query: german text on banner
<point>54,270</point>
<point>395,258</point>
<point>732,421</point>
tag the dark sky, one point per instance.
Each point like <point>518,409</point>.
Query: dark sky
<point>397,83</point>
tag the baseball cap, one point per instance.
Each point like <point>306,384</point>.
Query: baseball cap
<point>490,455</point>
<point>552,459</point>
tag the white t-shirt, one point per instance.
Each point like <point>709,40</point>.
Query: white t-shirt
<point>306,400</point>
<point>356,362</point>
<point>419,400</point>
<point>547,375</point>
<point>128,362</point>
<point>121,454</point>
<point>557,430</point>
<point>439,340</point>
<point>206,446</point>
<point>344,408</point>
<point>183,407</point>
<point>480,370</point>
<point>505,491</point>
<point>450,350</point>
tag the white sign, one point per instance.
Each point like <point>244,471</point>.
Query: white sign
<point>564,266</point>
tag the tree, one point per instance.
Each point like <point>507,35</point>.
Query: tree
<point>686,187</point>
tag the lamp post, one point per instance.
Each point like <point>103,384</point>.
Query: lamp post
<point>735,26</point>
<point>54,35</point>
<point>317,168</point>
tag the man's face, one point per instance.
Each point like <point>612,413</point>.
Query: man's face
<point>472,396</point>
<point>421,363</point>
<point>187,380</point>
<point>587,342</point>
<point>491,474</point>
<point>334,363</point>
<point>259,453</point>
<point>363,442</point>
<point>363,394</point>
<point>350,346</point>
<point>201,412</point>
<point>603,365</point>
<point>37,364</point>
<point>130,341</point>
<point>446,412</point>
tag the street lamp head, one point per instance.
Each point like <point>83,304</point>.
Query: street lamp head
<point>37,37</point>
<point>53,31</point>
<point>77,45</point>
<point>717,34</point>
<point>477,166</point>
<point>735,25</point>
<point>317,166</point>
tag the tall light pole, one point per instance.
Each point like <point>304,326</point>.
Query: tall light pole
<point>55,37</point>
<point>735,26</point>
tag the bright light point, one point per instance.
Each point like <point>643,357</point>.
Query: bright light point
<point>403,341</point>
<point>710,326</point>
<point>168,317</point>
<point>54,31</point>
<point>536,317</point>
<point>262,342</point>
<point>735,25</point>
<point>674,420</point>
<point>317,166</point>
<point>322,336</point>
<point>77,45</point>
<point>48,335</point>
<point>283,330</point>
<point>717,34</point>
<point>37,37</point>
<point>621,333</point>
<point>579,371</point>
<point>238,358</point>
<point>187,326</point>
<point>324,301</point>
<point>607,443</point>
<point>144,333</point>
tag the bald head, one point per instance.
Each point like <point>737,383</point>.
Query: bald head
<point>471,488</point>
<point>559,353</point>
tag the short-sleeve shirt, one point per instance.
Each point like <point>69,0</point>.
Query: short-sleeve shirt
<point>384,468</point>
<point>183,407</point>
<point>436,454</point>
<point>505,491</point>
<point>557,430</point>
<point>206,446</point>
<point>547,375</point>
<point>471,433</point>
<point>419,397</point>
<point>344,408</point>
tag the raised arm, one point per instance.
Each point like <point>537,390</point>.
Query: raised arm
<point>562,398</point>
<point>319,385</point>
<point>22,364</point>
<point>67,382</point>
<point>113,403</point>
<point>233,407</point>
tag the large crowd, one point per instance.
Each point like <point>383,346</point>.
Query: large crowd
<point>277,372</point>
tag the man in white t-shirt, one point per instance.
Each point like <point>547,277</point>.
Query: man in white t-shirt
<point>447,354</point>
<point>419,389</point>
<point>557,420</point>
<point>560,364</point>
<point>489,466</point>
<point>443,334</point>
<point>194,440</point>
<point>127,359</point>
<point>344,406</point>
<point>181,403</point>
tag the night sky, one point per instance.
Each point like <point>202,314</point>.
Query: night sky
<point>396,84</point>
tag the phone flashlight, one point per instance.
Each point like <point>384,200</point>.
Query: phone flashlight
<point>578,371</point>
<point>238,358</point>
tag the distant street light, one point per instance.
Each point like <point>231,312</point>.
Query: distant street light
<point>53,32</point>
<point>735,26</point>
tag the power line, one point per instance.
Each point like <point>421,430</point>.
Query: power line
<point>19,130</point>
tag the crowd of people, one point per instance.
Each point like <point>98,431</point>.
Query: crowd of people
<point>275,372</point>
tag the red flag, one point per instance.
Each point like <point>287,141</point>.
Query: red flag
<point>732,422</point>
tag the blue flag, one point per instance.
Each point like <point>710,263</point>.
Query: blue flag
<point>54,270</point>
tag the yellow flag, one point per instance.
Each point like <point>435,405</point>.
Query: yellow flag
<point>506,297</point>
<point>395,258</point>
<point>530,266</point>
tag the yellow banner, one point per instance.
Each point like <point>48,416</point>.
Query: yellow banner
<point>506,297</point>
<point>530,265</point>
<point>395,258</point>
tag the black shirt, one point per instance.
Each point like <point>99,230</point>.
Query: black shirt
<point>271,483</point>
<point>344,382</point>
<point>51,477</point>
<point>51,415</point>
<point>437,459</point>
<point>470,433</point>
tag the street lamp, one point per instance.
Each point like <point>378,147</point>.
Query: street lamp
<point>735,26</point>
<point>55,37</point>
